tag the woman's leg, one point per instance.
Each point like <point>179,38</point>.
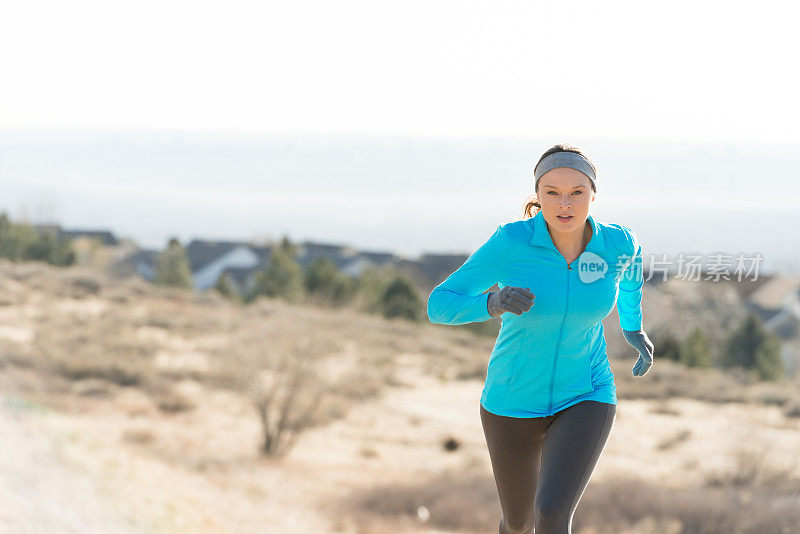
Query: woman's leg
<point>515,446</point>
<point>571,448</point>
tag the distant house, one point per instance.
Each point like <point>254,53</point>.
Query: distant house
<point>97,248</point>
<point>777,302</point>
<point>105,237</point>
<point>308,251</point>
<point>361,260</point>
<point>347,259</point>
<point>241,261</point>
<point>783,297</point>
<point>786,323</point>
<point>778,294</point>
<point>210,259</point>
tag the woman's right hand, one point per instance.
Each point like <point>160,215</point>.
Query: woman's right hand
<point>516,300</point>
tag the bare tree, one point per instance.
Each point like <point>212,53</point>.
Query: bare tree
<point>287,396</point>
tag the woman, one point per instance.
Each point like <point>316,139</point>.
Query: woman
<point>549,400</point>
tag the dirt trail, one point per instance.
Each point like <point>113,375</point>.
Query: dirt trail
<point>38,492</point>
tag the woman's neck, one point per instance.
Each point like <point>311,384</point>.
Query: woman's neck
<point>572,244</point>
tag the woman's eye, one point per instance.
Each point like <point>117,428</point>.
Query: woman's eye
<point>552,193</point>
<point>578,192</point>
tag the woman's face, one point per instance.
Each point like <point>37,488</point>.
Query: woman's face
<point>565,191</point>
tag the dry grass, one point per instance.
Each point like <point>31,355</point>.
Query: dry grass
<point>140,436</point>
<point>81,334</point>
<point>754,497</point>
<point>633,506</point>
<point>754,468</point>
<point>130,333</point>
<point>457,500</point>
<point>667,380</point>
<point>188,368</point>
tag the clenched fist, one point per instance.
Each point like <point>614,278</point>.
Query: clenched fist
<point>516,300</point>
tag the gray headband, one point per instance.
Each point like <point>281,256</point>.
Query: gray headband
<point>564,159</point>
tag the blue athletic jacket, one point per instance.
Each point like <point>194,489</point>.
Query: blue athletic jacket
<point>554,355</point>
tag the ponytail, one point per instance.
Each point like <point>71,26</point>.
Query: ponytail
<point>528,209</point>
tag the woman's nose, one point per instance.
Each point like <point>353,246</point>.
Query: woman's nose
<point>564,200</point>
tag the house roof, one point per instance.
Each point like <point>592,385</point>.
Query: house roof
<point>377,257</point>
<point>105,236</point>
<point>338,254</point>
<point>201,252</point>
<point>311,246</point>
<point>785,323</point>
<point>263,252</point>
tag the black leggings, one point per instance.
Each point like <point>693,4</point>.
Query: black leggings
<point>542,465</point>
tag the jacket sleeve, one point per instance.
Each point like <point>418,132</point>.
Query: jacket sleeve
<point>629,302</point>
<point>459,299</point>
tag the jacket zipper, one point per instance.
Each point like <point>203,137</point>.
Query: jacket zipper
<point>558,345</point>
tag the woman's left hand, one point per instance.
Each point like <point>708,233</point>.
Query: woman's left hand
<point>638,340</point>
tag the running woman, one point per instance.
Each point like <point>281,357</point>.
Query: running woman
<point>549,400</point>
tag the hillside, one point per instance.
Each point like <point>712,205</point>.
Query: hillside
<point>132,406</point>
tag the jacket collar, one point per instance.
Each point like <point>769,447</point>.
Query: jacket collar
<point>541,235</point>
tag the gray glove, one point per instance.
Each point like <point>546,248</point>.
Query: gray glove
<point>638,340</point>
<point>516,300</point>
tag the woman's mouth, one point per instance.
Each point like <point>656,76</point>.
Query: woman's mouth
<point>564,218</point>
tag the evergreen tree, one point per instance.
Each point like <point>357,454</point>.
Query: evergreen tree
<point>669,347</point>
<point>752,347</point>
<point>768,363</point>
<point>12,241</point>
<point>288,247</point>
<point>343,290</point>
<point>172,268</point>
<point>371,285</point>
<point>22,242</point>
<point>51,249</point>
<point>225,287</point>
<point>326,283</point>
<point>695,351</point>
<point>283,277</point>
<point>400,299</point>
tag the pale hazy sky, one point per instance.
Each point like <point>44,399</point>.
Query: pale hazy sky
<point>709,71</point>
<point>325,97</point>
